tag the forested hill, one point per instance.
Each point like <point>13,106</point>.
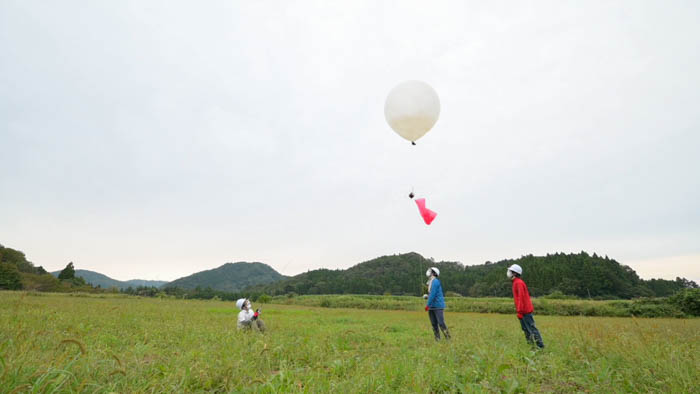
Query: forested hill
<point>230,277</point>
<point>18,273</point>
<point>579,274</point>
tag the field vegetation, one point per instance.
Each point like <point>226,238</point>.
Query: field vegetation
<point>686,304</point>
<point>117,343</point>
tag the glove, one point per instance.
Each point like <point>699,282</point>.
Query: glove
<point>426,308</point>
<point>520,315</point>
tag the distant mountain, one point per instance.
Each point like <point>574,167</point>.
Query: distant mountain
<point>145,283</point>
<point>104,281</point>
<point>578,274</point>
<point>230,277</point>
<point>396,274</point>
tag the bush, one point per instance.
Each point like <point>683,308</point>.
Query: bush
<point>264,299</point>
<point>46,282</point>
<point>643,309</point>
<point>10,278</point>
<point>559,295</point>
<point>688,301</point>
<point>78,281</point>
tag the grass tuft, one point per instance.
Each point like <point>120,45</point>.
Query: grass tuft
<point>75,342</point>
<point>118,372</point>
<point>119,362</point>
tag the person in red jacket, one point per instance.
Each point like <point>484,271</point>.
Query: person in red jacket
<point>523,306</point>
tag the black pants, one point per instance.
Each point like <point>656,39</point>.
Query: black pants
<point>527,323</point>
<point>437,318</point>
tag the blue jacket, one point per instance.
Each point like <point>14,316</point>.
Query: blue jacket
<point>435,298</point>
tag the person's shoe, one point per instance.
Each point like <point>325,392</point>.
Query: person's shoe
<point>447,334</point>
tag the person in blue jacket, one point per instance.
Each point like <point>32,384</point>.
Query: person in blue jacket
<point>436,303</point>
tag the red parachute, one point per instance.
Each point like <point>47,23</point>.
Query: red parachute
<point>427,214</point>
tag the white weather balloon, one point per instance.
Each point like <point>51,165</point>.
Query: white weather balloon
<point>411,109</point>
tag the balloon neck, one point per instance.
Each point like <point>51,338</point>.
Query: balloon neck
<point>413,142</point>
<point>411,195</point>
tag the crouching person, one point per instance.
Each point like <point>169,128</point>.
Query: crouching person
<point>523,306</point>
<point>247,319</point>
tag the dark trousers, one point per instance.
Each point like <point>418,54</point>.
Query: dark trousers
<point>532,334</point>
<point>257,323</point>
<point>437,319</point>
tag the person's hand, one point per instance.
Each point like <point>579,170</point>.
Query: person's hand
<point>426,308</point>
<point>520,315</point>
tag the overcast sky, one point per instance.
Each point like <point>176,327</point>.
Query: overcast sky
<point>155,139</point>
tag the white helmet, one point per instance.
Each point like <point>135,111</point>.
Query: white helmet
<point>240,302</point>
<point>516,268</point>
<point>428,272</point>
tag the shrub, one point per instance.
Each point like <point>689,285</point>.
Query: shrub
<point>688,301</point>
<point>264,299</point>
<point>650,310</point>
<point>46,282</point>
<point>559,295</point>
<point>10,278</point>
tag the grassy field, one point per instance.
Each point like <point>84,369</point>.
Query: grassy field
<point>102,343</point>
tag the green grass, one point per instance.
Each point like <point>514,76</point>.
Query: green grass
<point>102,343</point>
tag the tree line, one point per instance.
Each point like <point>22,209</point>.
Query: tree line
<point>576,274</point>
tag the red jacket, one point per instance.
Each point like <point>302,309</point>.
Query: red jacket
<point>521,296</point>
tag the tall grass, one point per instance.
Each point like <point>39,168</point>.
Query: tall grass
<point>154,345</point>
